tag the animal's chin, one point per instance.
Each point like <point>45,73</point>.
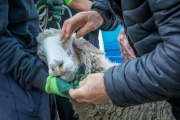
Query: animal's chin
<point>69,75</point>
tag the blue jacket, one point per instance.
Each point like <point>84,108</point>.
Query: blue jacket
<point>18,30</point>
<point>22,74</point>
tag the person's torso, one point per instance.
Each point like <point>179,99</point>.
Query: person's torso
<point>23,22</point>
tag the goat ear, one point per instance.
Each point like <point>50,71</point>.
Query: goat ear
<point>86,46</point>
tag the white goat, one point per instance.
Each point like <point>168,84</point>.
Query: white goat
<point>61,58</point>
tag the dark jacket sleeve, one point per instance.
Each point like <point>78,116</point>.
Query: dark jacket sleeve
<point>102,7</point>
<point>111,21</point>
<point>110,25</point>
<point>14,62</point>
<point>154,76</point>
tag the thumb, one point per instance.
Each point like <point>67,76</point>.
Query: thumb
<point>75,93</point>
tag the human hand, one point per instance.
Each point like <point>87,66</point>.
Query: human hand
<point>88,21</point>
<point>81,5</point>
<point>60,87</point>
<point>92,90</point>
<point>55,8</point>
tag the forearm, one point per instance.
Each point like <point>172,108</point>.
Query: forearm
<point>110,25</point>
<point>20,66</point>
<point>103,8</point>
<point>14,61</point>
<point>142,80</point>
<point>155,75</point>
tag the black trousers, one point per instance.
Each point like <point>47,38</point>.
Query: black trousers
<point>64,108</point>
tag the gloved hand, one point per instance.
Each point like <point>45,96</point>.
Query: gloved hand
<point>80,75</point>
<point>60,87</point>
<point>55,8</point>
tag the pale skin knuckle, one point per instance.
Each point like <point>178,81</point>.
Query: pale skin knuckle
<point>92,26</point>
<point>66,22</point>
<point>73,96</point>
<point>71,32</point>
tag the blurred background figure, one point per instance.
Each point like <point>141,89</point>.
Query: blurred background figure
<point>126,51</point>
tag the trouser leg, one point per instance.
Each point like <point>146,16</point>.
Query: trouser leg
<point>65,110</point>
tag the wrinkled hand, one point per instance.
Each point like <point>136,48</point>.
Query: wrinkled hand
<point>55,8</point>
<point>88,21</point>
<point>91,90</point>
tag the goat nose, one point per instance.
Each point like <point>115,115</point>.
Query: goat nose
<point>56,64</point>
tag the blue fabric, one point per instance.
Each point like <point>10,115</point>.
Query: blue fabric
<point>16,103</point>
<point>18,31</point>
<point>19,104</point>
<point>22,74</point>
